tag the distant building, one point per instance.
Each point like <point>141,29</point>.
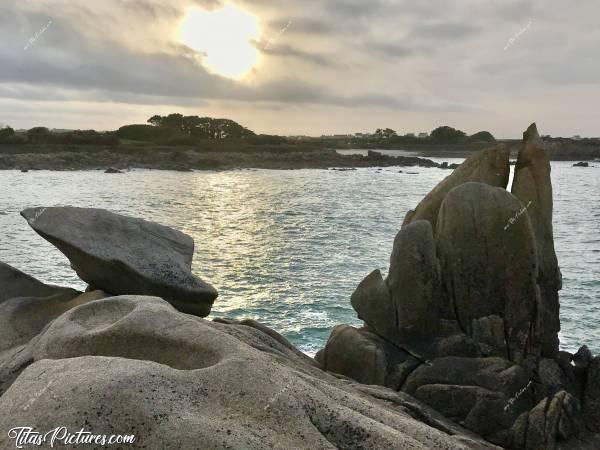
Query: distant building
<point>576,137</point>
<point>410,135</point>
<point>423,135</point>
<point>336,136</point>
<point>60,131</point>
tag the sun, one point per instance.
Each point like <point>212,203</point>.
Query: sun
<point>225,38</point>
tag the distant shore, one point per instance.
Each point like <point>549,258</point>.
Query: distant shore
<point>177,158</point>
<point>236,155</point>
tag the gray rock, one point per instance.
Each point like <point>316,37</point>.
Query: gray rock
<point>591,399</point>
<point>533,186</point>
<point>414,283</point>
<point>15,284</point>
<point>372,302</point>
<point>475,392</point>
<point>583,357</point>
<point>23,318</point>
<point>546,425</point>
<point>489,269</point>
<point>123,255</point>
<point>356,353</point>
<point>136,366</point>
<point>489,166</point>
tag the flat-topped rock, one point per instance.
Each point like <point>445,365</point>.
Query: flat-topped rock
<point>125,255</point>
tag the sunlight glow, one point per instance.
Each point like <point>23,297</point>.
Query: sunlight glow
<point>224,36</point>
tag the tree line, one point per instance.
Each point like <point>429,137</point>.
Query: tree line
<point>177,129</point>
<point>441,135</point>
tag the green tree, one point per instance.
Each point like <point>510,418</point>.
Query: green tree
<point>385,133</point>
<point>39,135</point>
<point>447,135</point>
<point>201,127</point>
<point>482,136</point>
<point>6,133</point>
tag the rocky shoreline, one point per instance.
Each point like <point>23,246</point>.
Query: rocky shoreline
<point>459,348</point>
<point>177,159</point>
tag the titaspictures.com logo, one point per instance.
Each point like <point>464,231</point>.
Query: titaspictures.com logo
<point>61,435</point>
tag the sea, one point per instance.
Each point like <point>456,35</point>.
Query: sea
<point>288,248</point>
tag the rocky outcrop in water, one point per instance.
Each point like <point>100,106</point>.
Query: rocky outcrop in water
<point>533,187</point>
<point>124,255</point>
<point>467,319</point>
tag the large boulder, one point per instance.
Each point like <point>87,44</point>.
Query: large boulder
<point>373,304</point>
<point>136,366</point>
<point>489,166</point>
<point>124,255</point>
<point>533,186</point>
<point>358,354</point>
<point>549,425</point>
<point>414,282</point>
<point>489,271</point>
<point>475,392</point>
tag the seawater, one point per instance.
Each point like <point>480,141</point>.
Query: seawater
<point>288,248</point>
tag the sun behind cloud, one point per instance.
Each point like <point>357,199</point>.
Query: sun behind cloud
<point>225,38</point>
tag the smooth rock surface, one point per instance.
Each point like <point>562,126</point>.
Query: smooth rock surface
<point>124,255</point>
<point>135,365</point>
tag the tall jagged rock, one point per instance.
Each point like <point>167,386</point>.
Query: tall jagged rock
<point>489,270</point>
<point>486,319</point>
<point>489,166</point>
<point>533,186</point>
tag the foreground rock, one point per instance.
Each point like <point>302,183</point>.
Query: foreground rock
<point>123,255</point>
<point>136,366</point>
<point>467,320</point>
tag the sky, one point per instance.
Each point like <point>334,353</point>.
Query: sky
<point>311,67</point>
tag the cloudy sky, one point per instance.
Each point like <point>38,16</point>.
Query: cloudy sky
<point>311,66</point>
